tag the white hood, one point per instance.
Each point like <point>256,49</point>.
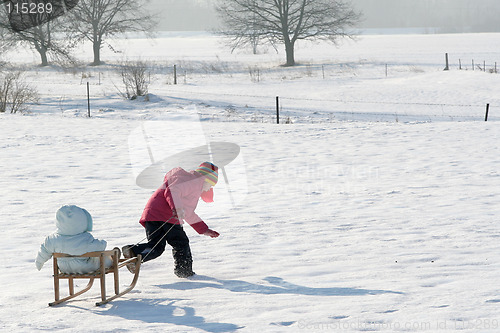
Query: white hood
<point>73,220</point>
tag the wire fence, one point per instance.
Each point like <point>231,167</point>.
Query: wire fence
<point>218,105</point>
<point>262,108</point>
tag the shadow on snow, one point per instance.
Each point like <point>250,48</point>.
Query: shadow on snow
<point>279,286</point>
<point>154,311</point>
<point>165,310</point>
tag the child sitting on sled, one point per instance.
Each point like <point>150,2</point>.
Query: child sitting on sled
<point>72,237</point>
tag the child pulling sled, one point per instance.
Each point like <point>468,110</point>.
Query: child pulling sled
<point>168,208</point>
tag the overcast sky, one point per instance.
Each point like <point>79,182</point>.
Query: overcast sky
<point>441,15</point>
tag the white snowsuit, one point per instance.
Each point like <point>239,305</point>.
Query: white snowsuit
<point>72,237</point>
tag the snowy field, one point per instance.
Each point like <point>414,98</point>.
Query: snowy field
<point>375,210</point>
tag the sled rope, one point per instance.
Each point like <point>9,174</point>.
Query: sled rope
<point>159,240</point>
<point>160,227</point>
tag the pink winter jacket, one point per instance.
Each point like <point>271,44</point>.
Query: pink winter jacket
<point>180,190</point>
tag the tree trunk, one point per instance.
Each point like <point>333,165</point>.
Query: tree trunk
<point>97,52</point>
<point>43,56</point>
<point>255,43</point>
<point>290,56</point>
<point>42,50</point>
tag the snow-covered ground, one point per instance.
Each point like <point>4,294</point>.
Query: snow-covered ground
<point>375,210</point>
<point>377,78</point>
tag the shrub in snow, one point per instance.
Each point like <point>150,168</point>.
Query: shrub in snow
<point>15,94</point>
<point>134,78</point>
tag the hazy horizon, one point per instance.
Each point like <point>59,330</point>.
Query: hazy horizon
<point>434,15</point>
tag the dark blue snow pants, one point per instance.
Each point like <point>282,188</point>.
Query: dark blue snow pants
<point>160,233</point>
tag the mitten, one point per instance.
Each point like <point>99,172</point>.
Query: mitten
<point>38,264</point>
<point>211,233</point>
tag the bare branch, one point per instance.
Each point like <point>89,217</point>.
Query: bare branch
<point>285,21</point>
<point>95,20</point>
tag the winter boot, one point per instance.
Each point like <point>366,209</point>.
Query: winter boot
<point>183,262</point>
<point>128,253</point>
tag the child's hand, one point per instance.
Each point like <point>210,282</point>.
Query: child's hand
<point>211,233</point>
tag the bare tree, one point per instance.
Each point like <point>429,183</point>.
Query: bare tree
<point>285,21</point>
<point>36,30</point>
<point>41,38</point>
<point>95,20</point>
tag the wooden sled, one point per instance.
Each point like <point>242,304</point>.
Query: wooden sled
<point>99,274</point>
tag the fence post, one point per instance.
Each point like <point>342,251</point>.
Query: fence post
<point>88,98</point>
<point>473,65</point>
<point>175,74</point>
<point>277,110</point>
<point>447,68</point>
<point>487,111</point>
<point>460,64</point>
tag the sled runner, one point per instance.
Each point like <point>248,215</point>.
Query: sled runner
<point>99,274</point>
